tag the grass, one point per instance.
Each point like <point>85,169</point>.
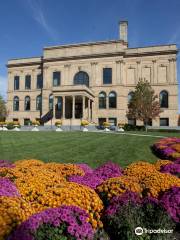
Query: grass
<point>75,147</point>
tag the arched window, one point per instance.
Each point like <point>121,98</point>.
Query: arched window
<point>163,97</point>
<point>27,103</point>
<point>112,100</point>
<point>81,78</point>
<point>102,100</point>
<point>50,102</point>
<point>16,103</point>
<point>38,102</point>
<point>130,95</point>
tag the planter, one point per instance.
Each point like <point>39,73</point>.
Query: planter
<point>58,129</point>
<point>4,128</point>
<point>120,129</point>
<point>16,128</point>
<point>85,129</point>
<point>35,129</point>
<point>107,129</point>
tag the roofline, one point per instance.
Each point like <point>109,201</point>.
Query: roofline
<point>85,44</point>
<point>13,59</point>
<point>158,45</point>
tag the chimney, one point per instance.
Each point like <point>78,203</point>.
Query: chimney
<point>123,31</point>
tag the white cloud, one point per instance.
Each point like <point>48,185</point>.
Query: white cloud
<point>3,86</point>
<point>39,16</point>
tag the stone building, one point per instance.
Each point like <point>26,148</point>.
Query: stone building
<point>92,81</point>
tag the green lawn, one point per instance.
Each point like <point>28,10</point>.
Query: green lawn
<point>74,147</point>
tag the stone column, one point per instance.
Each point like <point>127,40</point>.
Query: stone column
<point>138,75</point>
<point>54,107</point>
<point>33,79</point>
<point>66,80</point>
<point>174,70</point>
<point>118,72</point>
<point>94,80</point>
<point>89,109</point>
<point>64,105</point>
<point>73,106</point>
<point>83,104</point>
<point>121,71</point>
<point>154,79</point>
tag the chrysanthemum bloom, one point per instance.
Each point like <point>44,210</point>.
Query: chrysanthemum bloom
<point>71,220</point>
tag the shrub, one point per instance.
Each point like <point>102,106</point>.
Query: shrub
<point>7,188</point>
<point>94,178</point>
<point>58,123</point>
<point>6,164</point>
<point>117,186</point>
<point>170,200</point>
<point>129,127</point>
<point>13,211</point>
<point>172,168</point>
<point>84,123</point>
<point>106,124</point>
<point>65,223</point>
<point>168,148</point>
<point>35,122</point>
<point>132,213</point>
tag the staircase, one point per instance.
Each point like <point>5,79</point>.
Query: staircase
<point>47,117</point>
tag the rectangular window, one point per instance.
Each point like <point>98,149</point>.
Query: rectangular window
<point>15,119</point>
<point>39,81</point>
<point>101,121</point>
<point>113,121</point>
<point>16,83</point>
<point>164,122</point>
<point>107,75</point>
<point>27,122</point>
<point>56,78</point>
<point>28,82</point>
<point>132,122</point>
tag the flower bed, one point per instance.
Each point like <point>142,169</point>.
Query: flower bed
<point>73,201</point>
<point>168,148</point>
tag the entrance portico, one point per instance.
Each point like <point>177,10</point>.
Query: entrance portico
<point>74,103</point>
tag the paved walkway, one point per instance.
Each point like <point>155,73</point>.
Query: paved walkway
<point>142,135</point>
<point>132,134</point>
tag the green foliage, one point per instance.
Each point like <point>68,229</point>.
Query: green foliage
<point>129,127</point>
<point>101,235</point>
<point>47,231</point>
<point>3,110</point>
<point>122,225</point>
<point>144,104</point>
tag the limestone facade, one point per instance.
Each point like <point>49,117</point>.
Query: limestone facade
<point>77,101</point>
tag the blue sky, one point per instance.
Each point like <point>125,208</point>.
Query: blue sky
<point>28,25</point>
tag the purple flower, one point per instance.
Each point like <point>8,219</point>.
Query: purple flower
<point>177,161</point>
<point>7,188</point>
<point>117,202</point>
<point>164,148</point>
<point>170,200</point>
<point>85,168</point>
<point>74,218</point>
<point>167,151</point>
<point>172,168</point>
<point>108,170</point>
<point>6,164</point>
<point>150,200</point>
<point>88,179</point>
<point>94,178</point>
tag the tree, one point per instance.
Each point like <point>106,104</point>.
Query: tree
<point>3,110</point>
<point>143,104</point>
